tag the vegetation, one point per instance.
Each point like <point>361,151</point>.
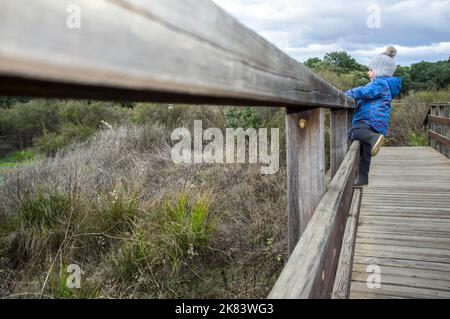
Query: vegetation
<point>138,225</point>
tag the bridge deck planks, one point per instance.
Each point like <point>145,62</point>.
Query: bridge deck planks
<point>404,226</point>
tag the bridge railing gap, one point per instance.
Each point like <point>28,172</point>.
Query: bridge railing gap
<point>192,51</point>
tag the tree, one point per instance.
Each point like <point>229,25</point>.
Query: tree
<point>313,63</point>
<point>404,72</point>
<point>342,62</point>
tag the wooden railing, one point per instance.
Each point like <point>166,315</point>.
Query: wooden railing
<point>191,51</point>
<point>438,119</point>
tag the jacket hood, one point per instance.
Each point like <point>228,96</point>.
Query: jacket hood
<point>395,84</point>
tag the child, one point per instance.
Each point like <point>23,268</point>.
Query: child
<point>371,119</point>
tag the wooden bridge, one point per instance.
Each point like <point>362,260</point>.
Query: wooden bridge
<point>390,240</point>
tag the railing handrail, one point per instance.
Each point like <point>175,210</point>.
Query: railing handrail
<point>187,51</point>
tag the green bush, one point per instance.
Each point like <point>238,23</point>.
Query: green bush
<point>243,117</point>
<point>54,124</point>
<point>21,123</point>
<point>91,114</point>
<point>50,143</point>
<point>418,139</point>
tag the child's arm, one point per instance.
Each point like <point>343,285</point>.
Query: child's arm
<point>368,92</point>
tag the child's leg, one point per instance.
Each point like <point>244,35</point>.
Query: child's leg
<point>364,165</point>
<point>355,133</point>
<point>374,140</point>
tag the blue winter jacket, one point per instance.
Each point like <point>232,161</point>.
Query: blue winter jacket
<point>374,102</point>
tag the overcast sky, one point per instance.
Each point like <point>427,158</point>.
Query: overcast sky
<point>420,29</point>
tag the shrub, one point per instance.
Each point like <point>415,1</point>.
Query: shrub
<point>50,143</point>
<point>91,114</point>
<point>418,139</point>
<point>23,122</point>
<point>243,117</point>
<point>177,115</point>
<point>408,114</point>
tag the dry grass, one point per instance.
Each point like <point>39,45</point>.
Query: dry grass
<point>139,225</point>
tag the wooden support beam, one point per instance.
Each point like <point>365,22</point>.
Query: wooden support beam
<point>349,124</point>
<point>432,126</point>
<point>311,268</point>
<point>305,144</point>
<point>341,288</point>
<point>338,139</point>
<point>188,51</point>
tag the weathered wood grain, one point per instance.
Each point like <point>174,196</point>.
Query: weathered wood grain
<point>311,268</point>
<point>439,120</point>
<point>149,50</point>
<point>441,139</point>
<point>341,288</point>
<point>338,139</point>
<point>305,149</point>
<point>404,225</point>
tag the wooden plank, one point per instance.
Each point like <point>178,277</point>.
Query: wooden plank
<point>439,120</point>
<point>311,269</point>
<point>338,139</point>
<point>403,263</point>
<point>341,288</point>
<point>400,291</point>
<point>365,295</point>
<point>416,231</point>
<point>403,240</point>
<point>188,51</point>
<point>439,138</point>
<point>408,281</point>
<point>407,272</point>
<point>305,169</point>
<point>400,252</point>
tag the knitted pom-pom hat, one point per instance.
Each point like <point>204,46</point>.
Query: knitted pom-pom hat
<point>384,64</point>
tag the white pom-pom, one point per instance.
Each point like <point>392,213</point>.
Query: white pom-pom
<point>391,51</point>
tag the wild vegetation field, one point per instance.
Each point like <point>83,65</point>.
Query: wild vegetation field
<point>92,183</point>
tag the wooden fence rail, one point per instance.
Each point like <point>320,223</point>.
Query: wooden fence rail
<point>192,51</point>
<point>187,51</point>
<point>438,120</point>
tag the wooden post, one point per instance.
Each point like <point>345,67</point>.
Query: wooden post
<point>350,113</point>
<point>338,139</point>
<point>305,143</point>
<point>433,143</point>
<point>446,129</point>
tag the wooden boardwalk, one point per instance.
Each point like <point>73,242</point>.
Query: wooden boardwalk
<point>404,226</point>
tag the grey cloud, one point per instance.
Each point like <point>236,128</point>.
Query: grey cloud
<point>421,28</point>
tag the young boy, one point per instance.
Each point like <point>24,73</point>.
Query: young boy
<point>371,119</point>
